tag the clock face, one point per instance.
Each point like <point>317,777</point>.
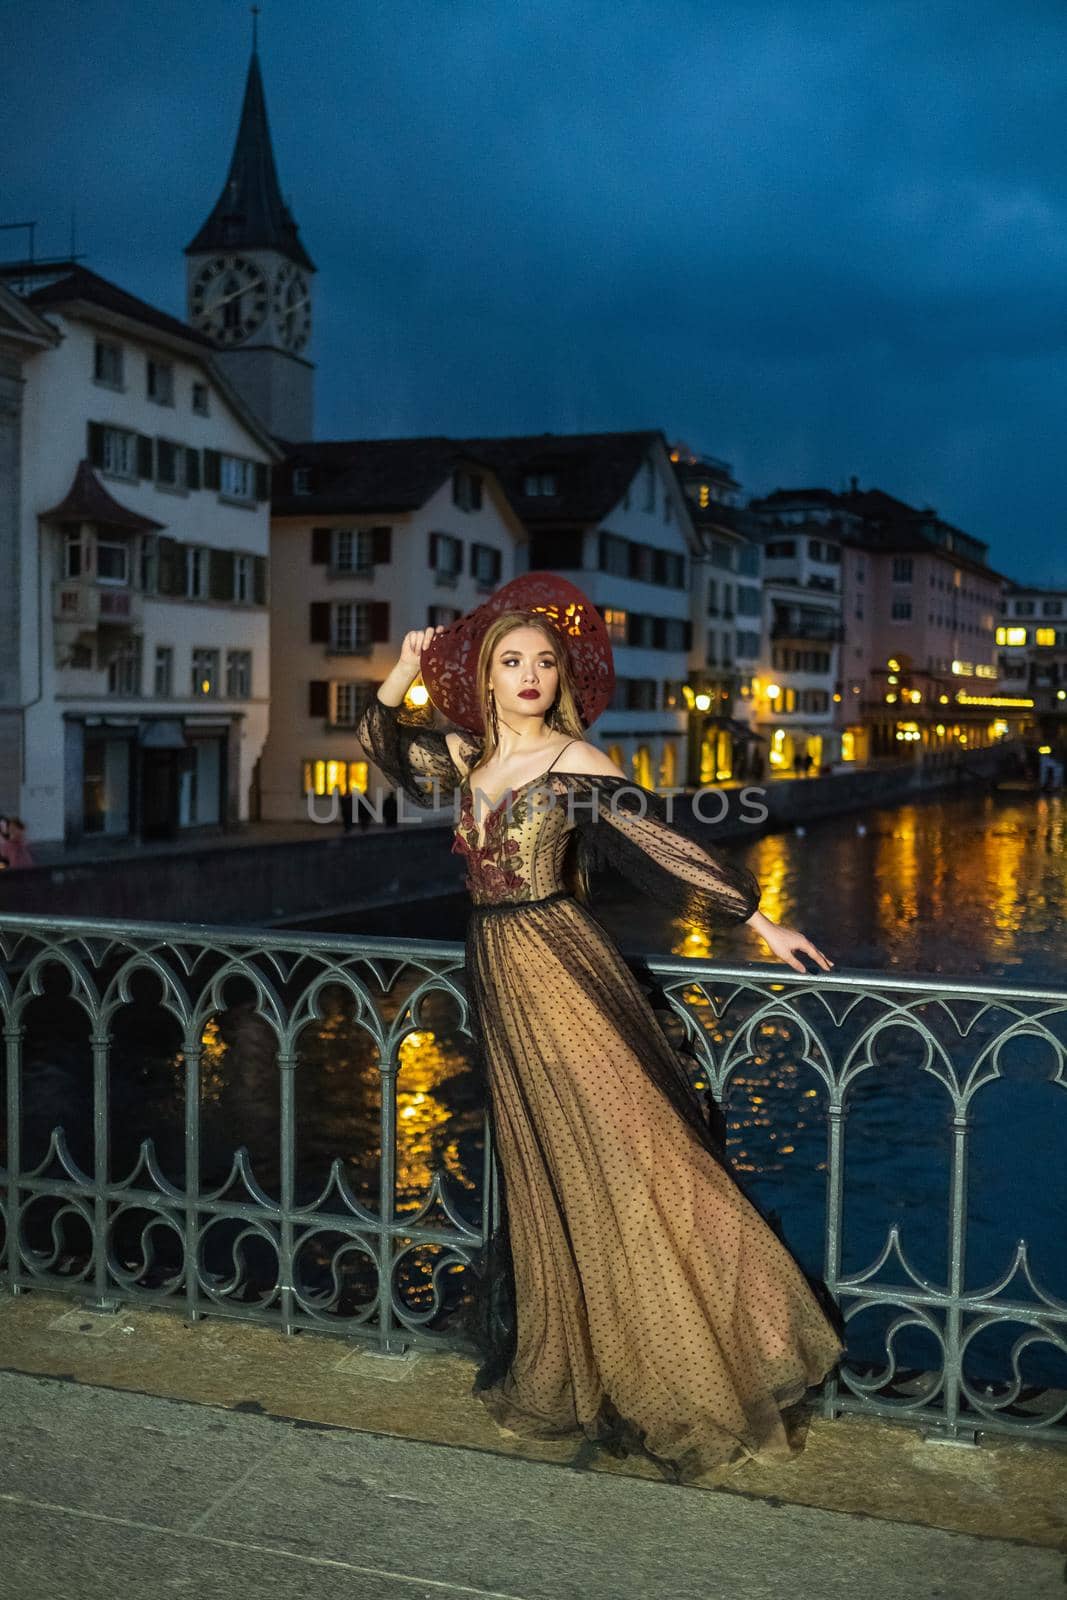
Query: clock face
<point>229,299</point>
<point>292,307</point>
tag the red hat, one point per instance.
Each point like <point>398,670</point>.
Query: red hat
<point>449,663</point>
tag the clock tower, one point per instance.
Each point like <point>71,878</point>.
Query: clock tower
<point>248,282</point>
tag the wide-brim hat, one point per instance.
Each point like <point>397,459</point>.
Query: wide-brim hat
<point>450,662</point>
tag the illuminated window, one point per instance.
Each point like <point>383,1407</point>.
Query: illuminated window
<point>1011,636</point>
<point>323,777</point>
<point>1045,636</point>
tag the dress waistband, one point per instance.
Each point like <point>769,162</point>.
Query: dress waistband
<point>504,906</point>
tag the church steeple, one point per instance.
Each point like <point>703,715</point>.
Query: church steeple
<point>248,279</point>
<point>250,213</point>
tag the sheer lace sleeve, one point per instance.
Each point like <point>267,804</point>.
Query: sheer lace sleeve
<point>413,757</point>
<point>624,826</point>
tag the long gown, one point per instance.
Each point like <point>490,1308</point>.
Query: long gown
<point>632,1293</point>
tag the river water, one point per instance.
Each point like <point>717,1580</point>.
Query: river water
<point>971,886</point>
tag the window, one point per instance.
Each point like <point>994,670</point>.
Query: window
<point>195,572</point>
<point>901,611</point>
<point>902,567</point>
<point>112,561</point>
<point>539,483</point>
<point>1052,608</point>
<point>301,480</point>
<point>163,675</point>
<point>1045,636</point>
<point>467,490</point>
<point>351,626</point>
<point>124,668</point>
<point>815,550</point>
<point>242,579</point>
<point>237,478</point>
<point>161,382</point>
<point>205,680</point>
<point>1014,636</point>
<point>614,555</point>
<point>120,452</point>
<point>781,549</point>
<point>446,555</point>
<point>722,555</point>
<point>616,623</point>
<point>353,550</point>
<point>170,464</point>
<point>485,565</point>
<point>648,478</point>
<point>441,616</point>
<point>1024,608</point>
<point>200,400</point>
<point>238,674</point>
<point>713,597</point>
<point>324,776</point>
<point>347,702</point>
<point>107,364</point>
<point>73,555</point>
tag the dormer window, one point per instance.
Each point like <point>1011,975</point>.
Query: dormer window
<point>467,490</point>
<point>539,484</point>
<point>301,480</point>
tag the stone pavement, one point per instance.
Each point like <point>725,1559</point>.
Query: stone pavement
<point>112,1495</point>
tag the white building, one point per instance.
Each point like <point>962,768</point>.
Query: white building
<point>802,629</point>
<point>370,538</point>
<point>607,511</point>
<point>134,542</point>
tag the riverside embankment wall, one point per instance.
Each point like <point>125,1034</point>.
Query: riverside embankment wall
<point>243,880</point>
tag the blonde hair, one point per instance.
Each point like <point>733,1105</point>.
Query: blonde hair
<point>562,716</point>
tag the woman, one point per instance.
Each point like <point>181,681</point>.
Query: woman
<point>632,1292</point>
<point>15,849</point>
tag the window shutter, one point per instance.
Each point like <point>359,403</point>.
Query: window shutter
<point>497,559</point>
<point>192,468</point>
<point>633,627</point>
<point>262,480</point>
<point>382,541</point>
<point>433,550</point>
<point>212,470</point>
<point>171,568</point>
<point>474,557</point>
<point>96,444</point>
<point>318,698</point>
<point>687,634</point>
<point>259,580</point>
<point>379,621</point>
<point>145,456</point>
<point>476,491</point>
<point>320,622</point>
<point>220,575</point>
<point>321,539</point>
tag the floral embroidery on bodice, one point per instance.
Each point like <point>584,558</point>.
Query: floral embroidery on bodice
<point>523,839</point>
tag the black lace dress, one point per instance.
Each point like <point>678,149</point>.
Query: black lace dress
<point>632,1293</point>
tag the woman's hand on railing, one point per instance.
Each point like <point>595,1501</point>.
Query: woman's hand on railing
<point>785,943</point>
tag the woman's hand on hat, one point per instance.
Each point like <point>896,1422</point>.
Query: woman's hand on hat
<point>415,643</point>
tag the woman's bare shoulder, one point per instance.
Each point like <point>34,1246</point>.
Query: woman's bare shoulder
<point>586,760</point>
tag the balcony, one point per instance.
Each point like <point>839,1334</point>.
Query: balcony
<point>82,606</point>
<point>810,627</point>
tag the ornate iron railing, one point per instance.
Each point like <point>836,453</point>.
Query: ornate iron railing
<point>281,1127</point>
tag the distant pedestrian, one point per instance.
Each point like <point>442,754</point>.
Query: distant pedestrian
<point>347,806</point>
<point>757,765</point>
<point>5,841</point>
<point>13,843</point>
<point>389,809</point>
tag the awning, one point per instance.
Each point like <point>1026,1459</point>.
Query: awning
<point>741,729</point>
<point>162,734</point>
<point>88,501</point>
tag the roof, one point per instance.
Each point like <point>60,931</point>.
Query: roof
<point>781,497</point>
<point>250,212</point>
<point>88,501</point>
<point>80,284</point>
<point>593,470</point>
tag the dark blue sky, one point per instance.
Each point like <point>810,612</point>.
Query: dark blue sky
<point>814,238</point>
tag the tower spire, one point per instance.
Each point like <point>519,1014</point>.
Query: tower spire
<point>250,212</point>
